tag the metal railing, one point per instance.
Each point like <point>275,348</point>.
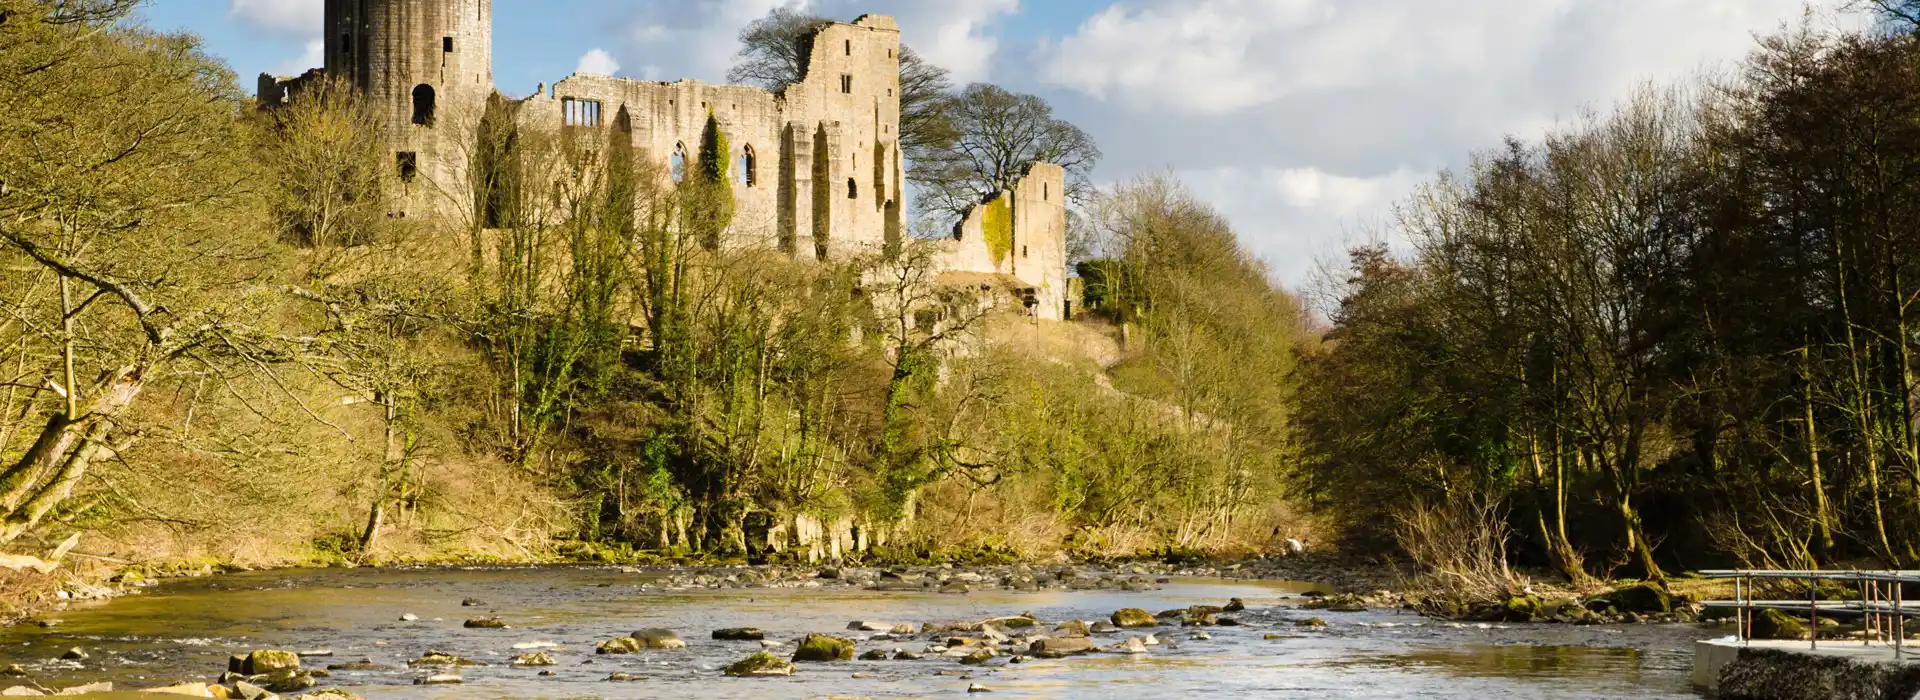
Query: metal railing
<point>1880,603</point>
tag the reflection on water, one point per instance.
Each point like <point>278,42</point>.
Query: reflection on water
<point>185,630</point>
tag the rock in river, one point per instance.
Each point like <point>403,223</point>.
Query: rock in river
<point>658,639</point>
<point>486,623</point>
<point>538,658</point>
<point>1133,617</point>
<point>820,647</point>
<point>1054,648</point>
<point>441,658</point>
<point>740,634</point>
<point>760,664</point>
<point>264,662</point>
<point>618,645</point>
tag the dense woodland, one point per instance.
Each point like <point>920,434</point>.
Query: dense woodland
<point>218,347</point>
<point>1675,333</point>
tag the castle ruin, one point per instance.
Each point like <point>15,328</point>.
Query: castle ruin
<point>816,167</point>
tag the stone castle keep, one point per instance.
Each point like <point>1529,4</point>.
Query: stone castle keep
<point>816,167</point>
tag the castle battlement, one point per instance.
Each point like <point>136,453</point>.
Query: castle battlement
<point>817,168</point>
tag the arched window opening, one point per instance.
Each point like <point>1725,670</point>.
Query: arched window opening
<point>853,189</point>
<point>678,164</point>
<point>747,175</point>
<point>423,106</point>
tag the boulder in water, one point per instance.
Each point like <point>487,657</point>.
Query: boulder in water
<point>658,639</point>
<point>618,645</point>
<point>820,647</point>
<point>538,658</point>
<point>1133,617</point>
<point>441,658</point>
<point>266,662</point>
<point>1058,647</point>
<point>740,634</point>
<point>760,664</point>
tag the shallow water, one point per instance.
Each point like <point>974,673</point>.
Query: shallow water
<point>185,629</point>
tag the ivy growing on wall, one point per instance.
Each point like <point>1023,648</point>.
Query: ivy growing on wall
<point>996,224</point>
<point>710,200</point>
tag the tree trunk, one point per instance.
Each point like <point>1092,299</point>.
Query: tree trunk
<point>1822,515</point>
<point>47,474</point>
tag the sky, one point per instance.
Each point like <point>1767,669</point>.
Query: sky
<point>1302,121</point>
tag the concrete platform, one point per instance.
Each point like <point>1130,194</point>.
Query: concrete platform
<point>1789,670</point>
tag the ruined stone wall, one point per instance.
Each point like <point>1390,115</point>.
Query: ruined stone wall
<point>816,168</point>
<point>1021,232</point>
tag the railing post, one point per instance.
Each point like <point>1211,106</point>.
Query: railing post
<point>1813,612</point>
<point>1746,634</point>
<point>1866,622</point>
<point>1739,611</point>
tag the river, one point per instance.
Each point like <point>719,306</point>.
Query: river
<point>185,629</point>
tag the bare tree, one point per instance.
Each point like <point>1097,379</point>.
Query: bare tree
<point>774,49</point>
<point>996,135</point>
<point>1897,15</point>
<point>326,153</point>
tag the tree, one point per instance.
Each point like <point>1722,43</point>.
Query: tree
<point>774,49</point>
<point>996,135</point>
<point>926,90</point>
<point>1897,15</point>
<point>124,204</point>
<point>329,164</point>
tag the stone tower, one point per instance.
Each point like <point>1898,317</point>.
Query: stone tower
<point>426,66</point>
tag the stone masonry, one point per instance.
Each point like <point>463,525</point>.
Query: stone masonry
<point>816,168</point>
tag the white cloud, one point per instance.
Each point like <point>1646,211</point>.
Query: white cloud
<point>1296,217</point>
<point>298,17</point>
<point>597,62</point>
<point>1305,120</point>
<point>312,57</point>
<point>678,39</point>
<point>957,36</point>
